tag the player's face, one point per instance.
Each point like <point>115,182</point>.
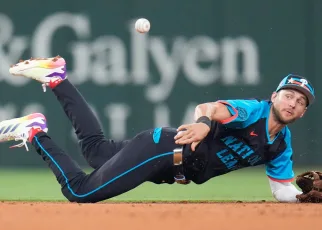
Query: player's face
<point>288,105</point>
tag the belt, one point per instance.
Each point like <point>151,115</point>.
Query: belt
<point>178,167</point>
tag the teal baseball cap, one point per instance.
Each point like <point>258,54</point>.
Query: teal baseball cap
<point>298,83</point>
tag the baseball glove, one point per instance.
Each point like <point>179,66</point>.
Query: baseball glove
<point>311,185</point>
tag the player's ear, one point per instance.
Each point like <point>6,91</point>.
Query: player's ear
<point>273,97</point>
<point>303,113</point>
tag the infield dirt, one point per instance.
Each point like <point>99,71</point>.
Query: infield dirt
<point>159,216</point>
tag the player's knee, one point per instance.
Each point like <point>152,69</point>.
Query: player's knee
<point>74,198</point>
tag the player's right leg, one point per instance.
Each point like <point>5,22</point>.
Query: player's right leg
<point>25,129</point>
<point>52,72</point>
<point>148,157</point>
<point>141,160</point>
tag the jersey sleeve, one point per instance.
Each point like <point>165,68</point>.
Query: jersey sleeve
<point>244,112</point>
<point>281,168</point>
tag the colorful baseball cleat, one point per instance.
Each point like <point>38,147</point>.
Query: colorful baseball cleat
<point>43,70</point>
<point>23,128</point>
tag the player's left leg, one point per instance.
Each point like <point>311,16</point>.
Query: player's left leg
<point>95,147</point>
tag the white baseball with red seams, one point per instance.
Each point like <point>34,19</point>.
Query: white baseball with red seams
<point>142,25</point>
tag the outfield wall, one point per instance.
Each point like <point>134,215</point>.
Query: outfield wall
<point>195,52</point>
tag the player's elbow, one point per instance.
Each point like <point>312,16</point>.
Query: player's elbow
<point>205,109</point>
<point>281,198</point>
<point>287,195</point>
<point>284,191</point>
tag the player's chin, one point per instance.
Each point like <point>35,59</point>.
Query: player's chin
<point>288,120</point>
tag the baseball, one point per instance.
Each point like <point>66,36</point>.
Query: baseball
<point>142,25</point>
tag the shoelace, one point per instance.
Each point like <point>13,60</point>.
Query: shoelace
<point>24,138</point>
<point>44,86</point>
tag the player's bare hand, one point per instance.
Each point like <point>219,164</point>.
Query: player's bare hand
<point>194,145</point>
<point>190,133</point>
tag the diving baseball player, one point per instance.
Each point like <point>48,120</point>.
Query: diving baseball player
<point>226,135</point>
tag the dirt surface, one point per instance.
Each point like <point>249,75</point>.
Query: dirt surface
<point>157,216</point>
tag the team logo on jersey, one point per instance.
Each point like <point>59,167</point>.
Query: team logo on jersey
<point>242,113</point>
<point>252,133</point>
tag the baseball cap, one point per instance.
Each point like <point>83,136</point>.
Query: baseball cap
<point>299,83</point>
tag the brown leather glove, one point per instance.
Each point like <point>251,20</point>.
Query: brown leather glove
<point>311,185</point>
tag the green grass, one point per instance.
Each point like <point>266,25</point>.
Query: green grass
<point>41,185</point>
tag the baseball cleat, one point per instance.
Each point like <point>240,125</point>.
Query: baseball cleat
<point>41,69</point>
<point>19,128</point>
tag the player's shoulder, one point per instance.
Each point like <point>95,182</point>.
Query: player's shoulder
<point>252,104</point>
<point>250,101</point>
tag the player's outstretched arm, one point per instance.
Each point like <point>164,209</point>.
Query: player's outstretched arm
<point>215,111</point>
<point>284,191</point>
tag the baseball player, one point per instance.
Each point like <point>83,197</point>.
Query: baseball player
<point>227,135</point>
